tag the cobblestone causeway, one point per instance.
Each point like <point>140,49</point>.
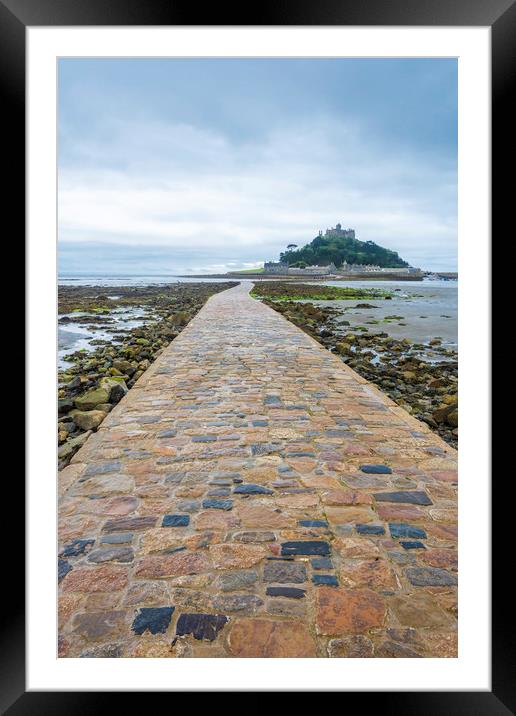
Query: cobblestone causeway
<point>252,496</point>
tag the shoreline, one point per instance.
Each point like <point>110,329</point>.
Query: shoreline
<point>302,279</point>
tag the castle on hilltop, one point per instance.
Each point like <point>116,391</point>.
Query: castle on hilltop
<point>340,232</point>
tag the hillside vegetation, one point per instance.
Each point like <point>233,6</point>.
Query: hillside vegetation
<point>325,250</point>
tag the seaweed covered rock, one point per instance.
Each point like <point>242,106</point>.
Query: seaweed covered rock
<point>92,398</point>
<point>115,387</point>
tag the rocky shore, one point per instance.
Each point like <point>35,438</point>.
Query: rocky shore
<point>94,381</point>
<point>284,291</point>
<point>425,389</point>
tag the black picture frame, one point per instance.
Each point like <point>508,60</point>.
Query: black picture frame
<point>15,17</point>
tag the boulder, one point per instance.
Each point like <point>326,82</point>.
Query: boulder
<point>71,446</point>
<point>64,406</point>
<point>450,399</point>
<point>90,365</point>
<point>106,407</point>
<point>114,371</point>
<point>88,419</point>
<point>443,413</point>
<point>408,375</point>
<point>453,418</point>
<point>115,388</point>
<point>124,366</point>
<point>92,398</point>
<point>181,318</point>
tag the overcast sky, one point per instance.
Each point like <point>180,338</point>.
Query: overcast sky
<point>185,166</point>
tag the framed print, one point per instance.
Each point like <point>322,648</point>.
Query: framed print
<point>255,427</point>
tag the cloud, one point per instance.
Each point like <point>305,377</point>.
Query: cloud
<point>193,198</point>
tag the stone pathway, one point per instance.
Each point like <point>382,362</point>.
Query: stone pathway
<point>252,496</point>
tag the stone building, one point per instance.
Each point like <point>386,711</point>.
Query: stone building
<point>340,232</point>
<point>278,268</point>
<point>313,270</point>
<point>358,268</point>
<point>275,267</point>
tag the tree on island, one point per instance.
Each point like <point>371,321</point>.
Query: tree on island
<point>324,250</point>
<point>290,249</point>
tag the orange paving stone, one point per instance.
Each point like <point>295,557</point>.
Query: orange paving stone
<point>234,464</point>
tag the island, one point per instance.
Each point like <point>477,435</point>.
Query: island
<point>336,254</point>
